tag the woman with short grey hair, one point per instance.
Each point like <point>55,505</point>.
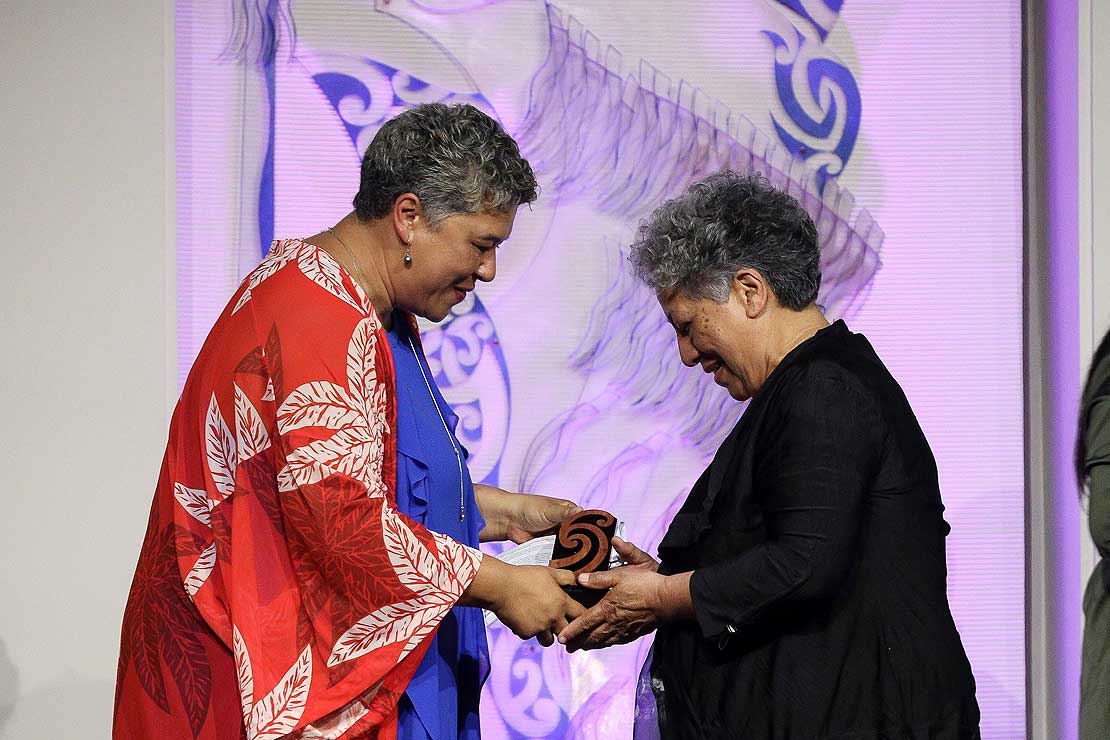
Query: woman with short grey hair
<point>311,560</point>
<point>800,592</point>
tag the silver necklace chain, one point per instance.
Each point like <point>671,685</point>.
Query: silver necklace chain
<point>356,271</point>
<point>446,429</point>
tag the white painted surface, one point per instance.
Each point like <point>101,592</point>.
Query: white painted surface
<point>86,334</point>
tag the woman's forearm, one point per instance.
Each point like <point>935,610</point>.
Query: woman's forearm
<point>519,516</point>
<point>493,504</point>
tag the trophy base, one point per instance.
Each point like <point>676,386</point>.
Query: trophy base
<point>587,597</point>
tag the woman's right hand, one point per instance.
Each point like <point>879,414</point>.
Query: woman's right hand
<point>528,599</point>
<point>634,557</point>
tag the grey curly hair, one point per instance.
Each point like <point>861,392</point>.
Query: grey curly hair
<point>697,241</point>
<point>455,158</point>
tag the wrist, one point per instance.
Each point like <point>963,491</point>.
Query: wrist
<point>673,600</point>
<point>493,504</point>
<point>488,589</point>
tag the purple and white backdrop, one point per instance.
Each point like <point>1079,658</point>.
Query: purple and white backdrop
<point>897,124</point>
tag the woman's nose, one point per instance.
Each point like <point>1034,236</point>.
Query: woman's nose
<point>487,268</point>
<point>687,352</point>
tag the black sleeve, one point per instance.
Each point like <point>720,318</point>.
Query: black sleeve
<point>817,456</point>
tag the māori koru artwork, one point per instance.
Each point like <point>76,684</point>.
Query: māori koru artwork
<point>582,545</point>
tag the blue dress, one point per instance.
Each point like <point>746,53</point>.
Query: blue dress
<point>441,702</point>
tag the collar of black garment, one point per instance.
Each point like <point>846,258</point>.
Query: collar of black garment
<point>694,517</point>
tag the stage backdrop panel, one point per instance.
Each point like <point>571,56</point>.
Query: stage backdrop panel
<point>897,124</point>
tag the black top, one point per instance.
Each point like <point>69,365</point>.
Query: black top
<point>817,545</point>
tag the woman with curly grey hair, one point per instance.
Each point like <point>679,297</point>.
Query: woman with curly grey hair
<point>311,563</point>
<point>800,592</point>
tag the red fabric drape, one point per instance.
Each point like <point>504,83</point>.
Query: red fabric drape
<point>278,592</point>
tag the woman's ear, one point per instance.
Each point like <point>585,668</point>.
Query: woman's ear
<point>752,292</point>
<point>407,213</point>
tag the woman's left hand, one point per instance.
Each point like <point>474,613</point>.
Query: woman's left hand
<point>630,609</point>
<point>638,599</point>
<point>533,515</point>
<point>520,517</point>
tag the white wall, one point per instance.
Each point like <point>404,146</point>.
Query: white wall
<point>84,332</point>
<point>1094,194</point>
<point>1094,173</point>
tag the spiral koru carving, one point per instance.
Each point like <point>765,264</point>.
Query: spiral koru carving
<point>583,542</point>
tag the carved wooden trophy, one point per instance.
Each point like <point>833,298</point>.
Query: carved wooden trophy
<point>582,545</point>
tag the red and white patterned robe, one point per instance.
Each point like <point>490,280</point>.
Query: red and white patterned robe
<point>279,593</point>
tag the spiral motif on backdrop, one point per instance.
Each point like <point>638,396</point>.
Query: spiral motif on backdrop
<point>466,358</point>
<point>822,14</point>
<point>583,542</point>
<point>819,105</point>
<point>366,93</point>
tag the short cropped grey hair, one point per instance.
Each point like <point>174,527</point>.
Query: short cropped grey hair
<point>455,158</point>
<point>696,242</point>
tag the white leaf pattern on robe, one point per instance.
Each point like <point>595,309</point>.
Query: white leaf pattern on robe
<point>415,564</point>
<point>277,713</point>
<point>194,501</point>
<point>269,394</point>
<point>338,722</point>
<point>347,452</point>
<point>319,267</point>
<point>391,624</point>
<point>242,300</point>
<point>375,407</point>
<point>282,253</point>
<point>250,432</point>
<point>245,674</point>
<point>462,561</point>
<point>220,450</point>
<point>357,416</point>
<point>320,404</point>
<point>362,373</point>
<point>200,571</point>
<point>425,627</point>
